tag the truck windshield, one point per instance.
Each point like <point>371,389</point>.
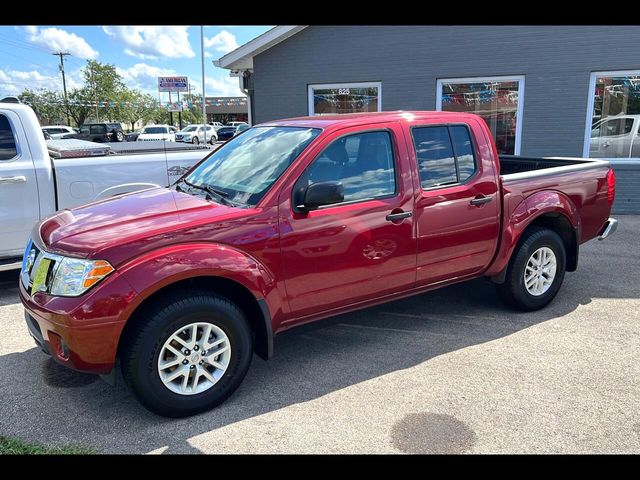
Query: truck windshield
<point>155,130</point>
<point>246,166</point>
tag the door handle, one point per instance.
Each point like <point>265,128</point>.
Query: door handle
<point>480,200</point>
<point>392,217</point>
<point>16,179</point>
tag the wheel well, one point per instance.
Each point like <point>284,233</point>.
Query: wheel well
<point>562,226</point>
<point>257,315</point>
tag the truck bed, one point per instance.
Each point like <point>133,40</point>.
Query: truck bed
<point>515,167</point>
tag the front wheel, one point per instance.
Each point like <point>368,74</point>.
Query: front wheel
<point>535,272</point>
<point>195,140</point>
<point>119,137</point>
<point>188,354</point>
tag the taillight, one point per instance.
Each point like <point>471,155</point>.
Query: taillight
<point>611,186</point>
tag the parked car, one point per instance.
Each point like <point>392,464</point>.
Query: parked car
<point>225,133</point>
<point>99,132</point>
<point>293,221</point>
<point>157,132</point>
<point>59,131</point>
<point>216,125</point>
<point>36,184</point>
<point>616,137</point>
<point>235,124</point>
<point>195,134</point>
<point>132,136</point>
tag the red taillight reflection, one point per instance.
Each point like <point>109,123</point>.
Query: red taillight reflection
<point>611,186</point>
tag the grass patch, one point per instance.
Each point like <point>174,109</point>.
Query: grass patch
<point>13,446</point>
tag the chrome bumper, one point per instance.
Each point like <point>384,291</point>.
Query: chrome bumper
<point>609,228</point>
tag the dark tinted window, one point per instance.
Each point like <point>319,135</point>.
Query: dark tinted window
<point>362,162</point>
<point>445,155</point>
<point>8,148</point>
<point>464,152</point>
<point>98,129</point>
<point>84,129</point>
<point>436,162</point>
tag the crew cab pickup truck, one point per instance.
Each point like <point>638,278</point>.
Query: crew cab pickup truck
<point>290,222</point>
<point>35,181</point>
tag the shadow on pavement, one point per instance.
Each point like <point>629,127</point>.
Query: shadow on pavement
<point>310,361</point>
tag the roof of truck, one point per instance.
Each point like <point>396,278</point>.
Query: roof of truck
<point>354,119</point>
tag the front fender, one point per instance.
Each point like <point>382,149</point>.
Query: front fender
<point>534,206</point>
<point>155,270</point>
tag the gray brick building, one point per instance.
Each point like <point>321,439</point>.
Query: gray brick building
<point>543,90</point>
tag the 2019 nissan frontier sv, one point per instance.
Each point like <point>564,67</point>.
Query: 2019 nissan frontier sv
<point>293,221</point>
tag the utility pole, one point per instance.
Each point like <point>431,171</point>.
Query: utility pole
<point>64,83</point>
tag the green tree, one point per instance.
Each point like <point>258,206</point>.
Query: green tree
<point>47,104</point>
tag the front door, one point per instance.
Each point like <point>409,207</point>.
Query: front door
<point>19,205</point>
<point>458,205</point>
<point>353,251</point>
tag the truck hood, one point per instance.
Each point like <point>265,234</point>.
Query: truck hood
<point>129,224</point>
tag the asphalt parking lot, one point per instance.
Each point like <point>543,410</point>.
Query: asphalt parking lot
<point>451,371</point>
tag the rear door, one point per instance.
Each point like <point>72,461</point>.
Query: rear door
<point>354,251</point>
<point>457,210</point>
<point>19,205</point>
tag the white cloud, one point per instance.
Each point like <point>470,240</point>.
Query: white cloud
<point>223,42</point>
<point>151,43</point>
<point>224,87</point>
<point>144,77</point>
<point>13,82</point>
<point>58,40</point>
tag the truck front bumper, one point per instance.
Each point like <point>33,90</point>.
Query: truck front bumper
<point>609,228</point>
<point>81,333</point>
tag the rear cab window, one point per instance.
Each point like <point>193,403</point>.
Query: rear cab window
<point>445,155</point>
<point>8,148</point>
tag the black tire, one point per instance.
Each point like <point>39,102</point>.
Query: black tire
<point>119,136</point>
<point>513,291</point>
<point>142,347</point>
<point>195,140</point>
<point>213,140</point>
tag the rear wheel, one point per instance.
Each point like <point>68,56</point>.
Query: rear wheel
<point>190,353</point>
<point>535,272</point>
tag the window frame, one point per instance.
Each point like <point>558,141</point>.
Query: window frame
<point>15,139</point>
<point>474,148</point>
<point>590,104</point>
<point>505,78</point>
<point>394,153</point>
<point>318,86</point>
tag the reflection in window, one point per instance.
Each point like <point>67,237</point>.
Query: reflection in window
<point>615,117</point>
<point>344,99</point>
<point>495,101</point>
<point>7,141</point>
<point>444,155</point>
<point>363,163</point>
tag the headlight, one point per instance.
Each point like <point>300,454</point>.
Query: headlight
<point>74,276</point>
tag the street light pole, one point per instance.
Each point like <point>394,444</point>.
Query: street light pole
<point>204,103</point>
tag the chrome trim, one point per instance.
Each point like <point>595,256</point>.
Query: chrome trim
<point>10,266</point>
<point>610,228</point>
<point>587,164</point>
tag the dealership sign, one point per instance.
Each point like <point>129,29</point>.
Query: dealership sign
<point>173,84</point>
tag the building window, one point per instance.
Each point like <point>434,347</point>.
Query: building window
<point>498,100</point>
<point>613,115</point>
<point>327,99</point>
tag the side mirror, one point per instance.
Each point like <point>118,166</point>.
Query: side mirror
<point>321,193</point>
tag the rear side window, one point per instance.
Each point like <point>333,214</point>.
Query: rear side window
<point>8,148</point>
<point>98,129</point>
<point>444,154</point>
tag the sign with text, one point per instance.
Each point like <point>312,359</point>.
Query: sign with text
<point>173,84</point>
<point>174,107</point>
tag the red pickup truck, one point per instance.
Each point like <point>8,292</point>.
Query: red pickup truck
<point>292,221</point>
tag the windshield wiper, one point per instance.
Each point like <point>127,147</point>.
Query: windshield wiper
<point>213,192</point>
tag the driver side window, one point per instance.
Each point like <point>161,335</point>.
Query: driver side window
<point>362,162</point>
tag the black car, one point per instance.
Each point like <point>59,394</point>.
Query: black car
<point>225,133</point>
<point>100,132</point>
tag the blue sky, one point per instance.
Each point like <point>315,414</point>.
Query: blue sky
<point>140,53</point>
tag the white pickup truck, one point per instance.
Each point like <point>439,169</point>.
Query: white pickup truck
<point>34,184</point>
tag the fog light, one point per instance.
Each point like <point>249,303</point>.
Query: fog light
<point>59,346</point>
